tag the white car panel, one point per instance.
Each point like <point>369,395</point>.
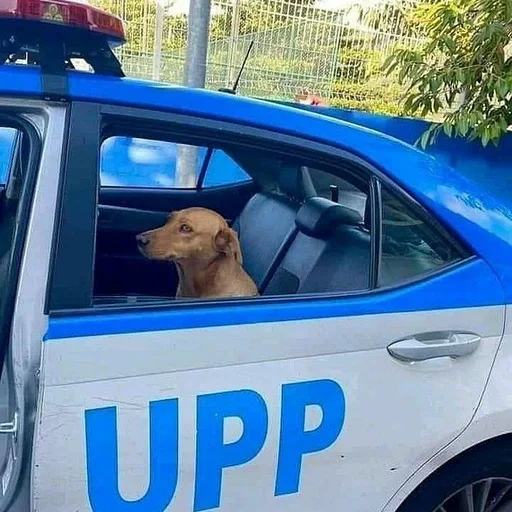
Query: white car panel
<point>398,415</point>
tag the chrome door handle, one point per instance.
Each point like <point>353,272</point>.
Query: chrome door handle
<point>430,345</point>
<point>10,427</point>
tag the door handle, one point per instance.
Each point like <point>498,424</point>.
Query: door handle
<point>10,427</point>
<point>430,345</point>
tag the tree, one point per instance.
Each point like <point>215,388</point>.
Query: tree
<point>463,68</point>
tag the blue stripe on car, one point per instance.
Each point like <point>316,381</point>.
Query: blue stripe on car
<point>445,291</point>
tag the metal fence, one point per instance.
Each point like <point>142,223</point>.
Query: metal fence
<point>333,48</point>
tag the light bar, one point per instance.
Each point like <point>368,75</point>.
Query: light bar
<point>71,14</point>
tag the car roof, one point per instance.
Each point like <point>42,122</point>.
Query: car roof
<point>482,220</point>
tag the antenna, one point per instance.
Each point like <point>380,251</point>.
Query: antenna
<point>233,89</point>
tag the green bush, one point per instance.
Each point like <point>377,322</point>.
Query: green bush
<point>372,96</point>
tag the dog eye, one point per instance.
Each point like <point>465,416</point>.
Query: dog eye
<point>185,228</point>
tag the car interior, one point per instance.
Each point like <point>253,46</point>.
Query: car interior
<point>304,227</point>
<point>302,230</point>
<point>294,238</point>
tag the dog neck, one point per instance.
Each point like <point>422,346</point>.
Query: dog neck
<point>197,278</point>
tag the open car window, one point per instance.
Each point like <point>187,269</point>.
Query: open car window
<point>293,240</point>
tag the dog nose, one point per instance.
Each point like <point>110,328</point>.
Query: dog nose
<point>142,240</point>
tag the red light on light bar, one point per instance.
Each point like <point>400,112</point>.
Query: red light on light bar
<point>72,14</point>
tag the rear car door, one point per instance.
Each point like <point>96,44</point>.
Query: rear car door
<point>295,401</point>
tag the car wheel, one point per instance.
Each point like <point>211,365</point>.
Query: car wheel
<point>479,481</point>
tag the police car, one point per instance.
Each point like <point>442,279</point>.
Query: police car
<point>371,374</point>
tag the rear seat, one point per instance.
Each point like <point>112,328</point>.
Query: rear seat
<point>330,253</point>
<point>266,226</point>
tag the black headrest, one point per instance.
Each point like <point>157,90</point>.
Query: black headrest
<point>319,217</point>
<point>295,182</point>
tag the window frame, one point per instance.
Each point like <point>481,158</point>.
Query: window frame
<point>71,290</point>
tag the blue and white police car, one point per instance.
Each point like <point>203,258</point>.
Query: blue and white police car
<point>371,374</point>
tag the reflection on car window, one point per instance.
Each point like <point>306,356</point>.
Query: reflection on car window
<point>410,246</point>
<point>7,142</point>
<point>135,162</point>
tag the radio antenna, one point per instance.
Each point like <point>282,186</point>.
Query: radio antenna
<point>233,89</point>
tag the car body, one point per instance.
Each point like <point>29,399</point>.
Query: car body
<point>355,378</point>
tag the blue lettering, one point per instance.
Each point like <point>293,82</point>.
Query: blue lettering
<point>294,440</point>
<point>102,459</point>
<point>212,454</point>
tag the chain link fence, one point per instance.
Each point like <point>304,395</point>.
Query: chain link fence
<point>333,48</point>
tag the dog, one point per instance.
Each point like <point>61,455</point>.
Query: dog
<point>206,253</point>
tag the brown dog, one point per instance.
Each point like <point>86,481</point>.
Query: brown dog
<point>206,253</point>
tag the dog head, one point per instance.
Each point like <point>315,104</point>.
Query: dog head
<point>194,234</point>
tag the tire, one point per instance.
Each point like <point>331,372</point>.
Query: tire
<point>482,476</point>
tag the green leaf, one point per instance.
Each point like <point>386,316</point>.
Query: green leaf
<point>409,101</point>
<point>426,108</point>
<point>415,105</point>
<point>404,72</point>
<point>448,128</point>
<point>448,41</point>
<point>463,126</point>
<point>503,89</point>
<point>485,137</point>
<point>424,140</point>
<point>390,63</point>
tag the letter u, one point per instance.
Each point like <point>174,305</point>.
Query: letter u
<point>102,459</point>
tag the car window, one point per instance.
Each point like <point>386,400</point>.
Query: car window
<point>320,246</point>
<point>144,163</point>
<point>410,245</point>
<point>7,144</point>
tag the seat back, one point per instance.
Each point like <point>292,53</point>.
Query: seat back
<point>331,252</point>
<point>266,226</point>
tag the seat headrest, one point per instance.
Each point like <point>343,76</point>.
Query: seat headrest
<point>295,182</point>
<point>319,217</point>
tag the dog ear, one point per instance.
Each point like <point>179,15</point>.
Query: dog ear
<point>226,242</point>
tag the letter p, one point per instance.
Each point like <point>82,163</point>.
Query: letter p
<point>212,455</point>
<point>295,441</point>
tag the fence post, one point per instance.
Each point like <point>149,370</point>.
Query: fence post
<point>159,30</point>
<point>195,76</point>
<point>233,37</point>
<point>340,19</point>
<point>197,45</point>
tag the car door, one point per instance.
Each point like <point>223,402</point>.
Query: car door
<point>317,402</point>
<point>31,144</point>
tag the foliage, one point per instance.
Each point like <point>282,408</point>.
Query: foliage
<point>386,17</point>
<point>463,67</point>
<point>359,83</point>
<point>374,95</point>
